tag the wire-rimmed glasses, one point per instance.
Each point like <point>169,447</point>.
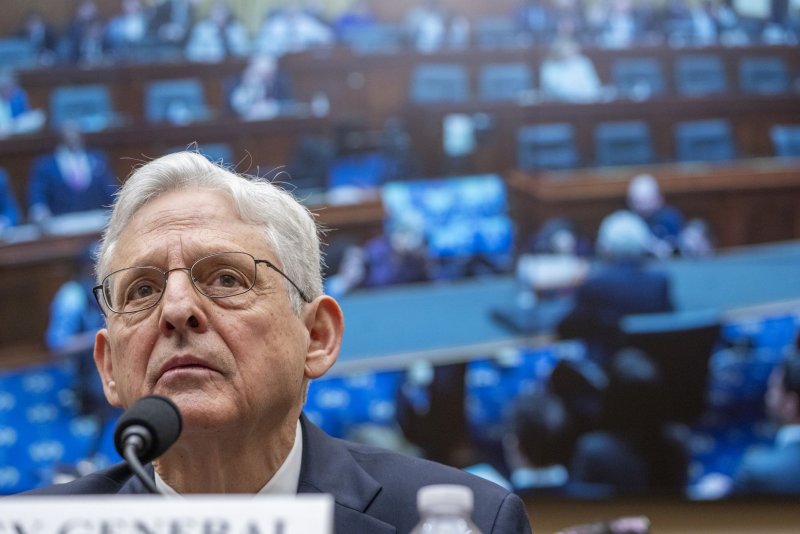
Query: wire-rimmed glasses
<point>217,276</point>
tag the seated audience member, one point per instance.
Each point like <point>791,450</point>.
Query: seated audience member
<point>232,328</point>
<point>9,209</point>
<point>537,19</point>
<point>348,268</point>
<point>128,28</point>
<point>696,240</point>
<point>218,36</point>
<point>431,27</point>
<point>538,445</point>
<point>41,35</point>
<point>397,257</point>
<point>634,450</point>
<point>84,40</point>
<point>74,321</point>
<point>426,25</point>
<point>356,16</point>
<point>262,91</point>
<point>776,470</point>
<point>553,261</point>
<point>292,29</point>
<point>13,102</point>
<point>71,178</point>
<point>619,285</point>
<point>620,25</point>
<point>172,20</point>
<point>567,75</point>
<point>665,222</point>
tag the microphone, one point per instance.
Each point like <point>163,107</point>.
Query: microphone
<point>145,431</point>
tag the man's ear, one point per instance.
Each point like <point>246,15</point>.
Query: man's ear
<point>325,324</point>
<point>105,366</point>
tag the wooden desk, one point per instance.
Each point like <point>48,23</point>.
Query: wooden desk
<point>496,142</point>
<point>745,202</point>
<point>375,87</point>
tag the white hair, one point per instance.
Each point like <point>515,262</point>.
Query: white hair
<point>289,228</point>
<point>623,234</point>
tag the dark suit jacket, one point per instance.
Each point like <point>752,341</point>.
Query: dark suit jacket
<point>770,471</point>
<point>615,290</point>
<point>47,186</point>
<point>374,490</point>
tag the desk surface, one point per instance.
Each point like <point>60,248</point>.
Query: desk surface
<point>396,326</point>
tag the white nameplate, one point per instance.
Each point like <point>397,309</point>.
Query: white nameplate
<point>146,514</point>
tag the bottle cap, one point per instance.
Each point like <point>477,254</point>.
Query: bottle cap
<point>444,496</point>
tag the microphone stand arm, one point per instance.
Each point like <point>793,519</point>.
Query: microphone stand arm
<point>133,445</point>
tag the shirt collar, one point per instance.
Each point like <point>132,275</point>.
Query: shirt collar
<point>285,480</point>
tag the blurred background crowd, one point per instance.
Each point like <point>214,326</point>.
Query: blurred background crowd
<point>618,377</point>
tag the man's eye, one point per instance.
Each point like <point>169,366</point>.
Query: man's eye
<point>229,280</point>
<point>141,290</point>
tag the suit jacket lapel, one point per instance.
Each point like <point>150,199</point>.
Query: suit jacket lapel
<point>134,486</point>
<point>329,467</point>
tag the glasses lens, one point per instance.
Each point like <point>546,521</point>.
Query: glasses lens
<point>133,289</point>
<point>224,275</point>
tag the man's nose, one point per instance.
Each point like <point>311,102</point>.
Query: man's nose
<point>181,304</point>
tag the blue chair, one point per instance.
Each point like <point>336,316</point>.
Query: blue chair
<point>763,75</point>
<point>504,81</point>
<point>87,105</point>
<point>623,143</point>
<point>699,75</point>
<point>16,53</point>
<point>785,140</point>
<point>439,82</point>
<point>374,39</point>
<point>704,140</point>
<point>637,78</point>
<point>492,33</point>
<point>546,146</point>
<point>179,101</point>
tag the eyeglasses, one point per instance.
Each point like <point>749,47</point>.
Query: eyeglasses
<point>217,276</point>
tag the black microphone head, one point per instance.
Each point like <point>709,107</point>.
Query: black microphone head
<point>159,417</point>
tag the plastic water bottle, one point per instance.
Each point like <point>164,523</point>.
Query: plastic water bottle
<point>445,509</point>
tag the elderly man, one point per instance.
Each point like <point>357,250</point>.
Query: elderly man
<point>211,287</point>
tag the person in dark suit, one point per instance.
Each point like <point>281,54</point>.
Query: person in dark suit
<point>619,285</point>
<point>71,178</point>
<point>9,209</point>
<point>211,287</point>
<point>634,450</point>
<point>776,470</point>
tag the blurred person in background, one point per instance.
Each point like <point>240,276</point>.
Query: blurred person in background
<point>172,20</point>
<point>9,209</point>
<point>74,320</point>
<point>620,284</point>
<point>129,27</point>
<point>634,450</point>
<point>72,178</point>
<point>567,75</point>
<point>538,444</point>
<point>291,28</point>
<point>13,102</point>
<point>645,199</point>
<point>217,36</point>
<point>84,40</point>
<point>41,35</point>
<point>776,470</point>
<point>262,91</point>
